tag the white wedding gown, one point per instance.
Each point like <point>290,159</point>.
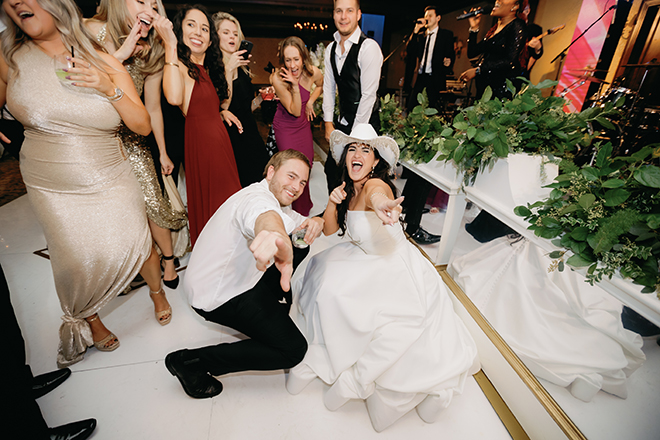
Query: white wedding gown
<point>564,330</point>
<point>381,326</point>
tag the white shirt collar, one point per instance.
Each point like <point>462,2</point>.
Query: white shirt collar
<point>354,38</point>
<point>434,31</point>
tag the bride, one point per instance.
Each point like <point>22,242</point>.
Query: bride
<point>376,314</point>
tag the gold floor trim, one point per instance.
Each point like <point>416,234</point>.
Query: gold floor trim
<point>551,406</point>
<point>508,418</point>
<point>503,412</point>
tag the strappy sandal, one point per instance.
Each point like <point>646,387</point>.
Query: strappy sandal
<point>172,284</point>
<point>102,345</point>
<point>164,316</point>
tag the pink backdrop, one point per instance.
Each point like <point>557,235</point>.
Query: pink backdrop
<point>584,53</point>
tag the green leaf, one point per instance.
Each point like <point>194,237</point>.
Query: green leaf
<point>586,200</point>
<point>560,266</point>
<point>550,222</point>
<point>578,261</point>
<point>556,254</point>
<point>488,93</point>
<point>500,148</point>
<point>592,268</point>
<point>653,221</point>
<point>580,233</point>
<point>649,289</point>
<point>485,137</point>
<point>614,183</point>
<point>522,211</point>
<point>459,153</point>
<point>568,208</point>
<point>446,132</point>
<point>648,175</point>
<point>556,194</point>
<point>461,125</point>
<point>605,123</point>
<point>430,111</point>
<point>471,131</point>
<point>603,154</point>
<point>450,144</point>
<point>590,173</point>
<point>615,197</point>
<point>548,232</point>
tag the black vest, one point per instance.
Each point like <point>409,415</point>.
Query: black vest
<point>349,86</point>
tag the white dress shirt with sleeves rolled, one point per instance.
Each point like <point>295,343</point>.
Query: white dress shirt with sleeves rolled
<point>370,61</point>
<point>221,265</point>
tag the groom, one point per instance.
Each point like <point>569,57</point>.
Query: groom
<point>225,286</point>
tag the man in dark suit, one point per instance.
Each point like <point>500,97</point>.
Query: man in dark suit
<point>436,58</point>
<point>21,415</point>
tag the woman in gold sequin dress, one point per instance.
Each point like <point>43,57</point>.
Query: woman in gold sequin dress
<point>123,27</point>
<point>79,182</point>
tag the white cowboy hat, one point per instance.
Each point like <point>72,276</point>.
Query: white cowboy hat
<point>365,134</point>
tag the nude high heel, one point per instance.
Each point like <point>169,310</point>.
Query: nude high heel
<point>102,345</point>
<point>164,316</point>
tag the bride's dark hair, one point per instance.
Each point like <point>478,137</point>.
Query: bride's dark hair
<point>381,171</point>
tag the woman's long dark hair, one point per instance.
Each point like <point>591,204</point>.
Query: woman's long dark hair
<point>213,59</point>
<point>381,171</point>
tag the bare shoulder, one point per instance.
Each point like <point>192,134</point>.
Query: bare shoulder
<point>276,78</point>
<point>93,25</point>
<point>318,74</point>
<point>377,185</point>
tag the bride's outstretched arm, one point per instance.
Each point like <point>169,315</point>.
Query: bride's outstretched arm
<point>379,198</point>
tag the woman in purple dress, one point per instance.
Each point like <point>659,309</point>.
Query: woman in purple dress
<point>293,83</point>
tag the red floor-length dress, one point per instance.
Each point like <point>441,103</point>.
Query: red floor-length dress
<point>211,174</point>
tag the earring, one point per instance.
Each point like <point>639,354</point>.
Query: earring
<point>372,171</point>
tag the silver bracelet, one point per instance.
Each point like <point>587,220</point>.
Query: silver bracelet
<point>119,93</point>
<point>371,198</point>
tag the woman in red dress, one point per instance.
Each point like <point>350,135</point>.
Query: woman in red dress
<point>194,80</point>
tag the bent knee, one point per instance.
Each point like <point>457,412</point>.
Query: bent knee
<point>296,352</point>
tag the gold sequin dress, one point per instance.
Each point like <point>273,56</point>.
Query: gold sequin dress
<point>159,209</point>
<point>82,190</point>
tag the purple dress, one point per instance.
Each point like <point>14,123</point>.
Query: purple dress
<point>296,133</point>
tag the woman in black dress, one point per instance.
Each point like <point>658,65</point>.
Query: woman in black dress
<point>501,50</point>
<point>249,148</point>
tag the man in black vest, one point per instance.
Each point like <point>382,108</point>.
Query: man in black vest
<point>436,58</point>
<point>352,67</point>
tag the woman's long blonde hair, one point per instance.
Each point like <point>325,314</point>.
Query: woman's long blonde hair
<point>116,16</point>
<point>68,23</point>
<point>218,18</point>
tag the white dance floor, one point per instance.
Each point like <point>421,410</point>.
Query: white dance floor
<point>133,396</point>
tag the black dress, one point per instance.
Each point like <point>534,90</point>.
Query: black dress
<point>249,148</point>
<point>501,58</point>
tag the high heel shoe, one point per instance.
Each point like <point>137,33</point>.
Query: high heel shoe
<point>102,345</point>
<point>164,316</point>
<point>172,284</point>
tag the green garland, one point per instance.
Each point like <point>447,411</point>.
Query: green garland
<point>606,214</point>
<point>493,128</point>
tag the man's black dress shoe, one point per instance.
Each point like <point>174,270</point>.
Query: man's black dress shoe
<point>422,236</point>
<point>47,382</point>
<point>73,431</point>
<point>198,385</point>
